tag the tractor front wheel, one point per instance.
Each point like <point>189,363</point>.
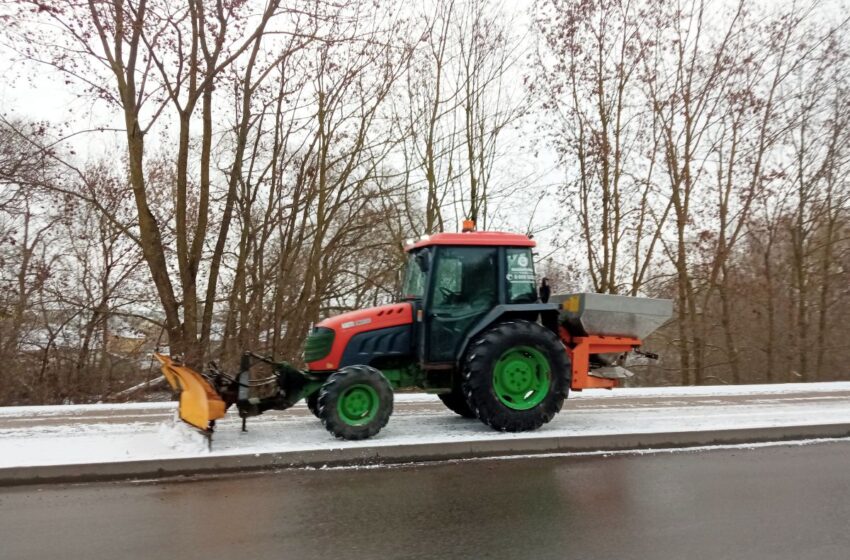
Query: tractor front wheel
<point>355,402</point>
<point>516,376</point>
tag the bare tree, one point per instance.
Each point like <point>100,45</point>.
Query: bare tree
<point>586,78</point>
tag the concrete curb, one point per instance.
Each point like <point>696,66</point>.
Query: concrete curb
<point>399,454</point>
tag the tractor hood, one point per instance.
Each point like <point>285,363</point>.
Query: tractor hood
<point>339,330</point>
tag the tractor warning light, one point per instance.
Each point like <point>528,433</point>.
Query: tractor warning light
<point>468,225</point>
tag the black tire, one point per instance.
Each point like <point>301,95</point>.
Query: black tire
<point>480,370</point>
<point>313,403</point>
<point>362,381</point>
<point>456,402</point>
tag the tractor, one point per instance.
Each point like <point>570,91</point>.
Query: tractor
<point>467,326</point>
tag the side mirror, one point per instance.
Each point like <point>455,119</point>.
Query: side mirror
<point>423,259</point>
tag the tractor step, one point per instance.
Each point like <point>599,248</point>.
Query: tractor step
<point>611,372</point>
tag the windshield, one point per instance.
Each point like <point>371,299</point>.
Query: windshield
<point>414,278</point>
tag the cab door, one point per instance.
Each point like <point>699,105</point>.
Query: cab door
<point>463,288</point>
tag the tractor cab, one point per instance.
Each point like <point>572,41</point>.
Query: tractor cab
<point>458,282</point>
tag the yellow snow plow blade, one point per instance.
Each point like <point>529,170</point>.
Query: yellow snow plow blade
<point>199,403</point>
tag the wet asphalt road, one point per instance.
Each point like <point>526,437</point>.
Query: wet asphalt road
<point>790,502</point>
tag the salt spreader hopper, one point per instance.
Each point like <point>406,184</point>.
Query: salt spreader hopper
<point>468,327</point>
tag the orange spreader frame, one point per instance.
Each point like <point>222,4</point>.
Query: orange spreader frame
<point>579,349</point>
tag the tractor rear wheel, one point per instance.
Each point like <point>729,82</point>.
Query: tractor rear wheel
<point>355,402</point>
<point>516,376</point>
<point>456,402</point>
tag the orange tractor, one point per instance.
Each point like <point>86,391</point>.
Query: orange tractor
<point>468,327</point>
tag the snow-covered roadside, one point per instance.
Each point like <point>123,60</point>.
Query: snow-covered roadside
<point>717,390</point>
<point>73,409</point>
<point>106,438</point>
<point>622,393</point>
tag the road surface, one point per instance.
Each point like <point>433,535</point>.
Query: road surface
<point>776,503</point>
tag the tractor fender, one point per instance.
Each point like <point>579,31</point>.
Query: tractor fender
<point>388,342</point>
<point>548,313</point>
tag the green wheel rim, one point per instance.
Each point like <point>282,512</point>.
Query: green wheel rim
<point>358,405</point>
<point>521,377</point>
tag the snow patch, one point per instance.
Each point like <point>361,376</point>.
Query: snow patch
<point>179,436</point>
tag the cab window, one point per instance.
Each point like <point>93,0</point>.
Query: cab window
<point>521,286</point>
<point>465,277</point>
<point>414,275</point>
